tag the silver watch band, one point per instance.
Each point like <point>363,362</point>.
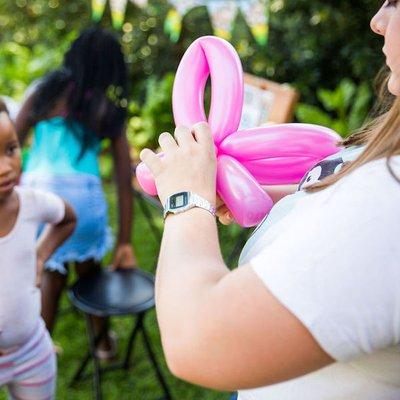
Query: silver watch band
<point>194,200</point>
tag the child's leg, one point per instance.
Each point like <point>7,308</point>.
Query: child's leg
<point>35,369</point>
<point>53,283</point>
<point>106,346</point>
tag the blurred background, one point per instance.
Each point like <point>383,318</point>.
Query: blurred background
<point>323,49</point>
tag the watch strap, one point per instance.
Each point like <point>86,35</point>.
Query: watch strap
<point>194,200</point>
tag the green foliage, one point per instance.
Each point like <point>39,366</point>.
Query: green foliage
<point>317,43</point>
<point>20,65</point>
<point>344,108</point>
<point>154,117</point>
<point>311,44</point>
<point>34,36</point>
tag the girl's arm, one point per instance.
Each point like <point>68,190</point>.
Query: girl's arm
<point>219,329</point>
<point>124,254</point>
<point>53,237</point>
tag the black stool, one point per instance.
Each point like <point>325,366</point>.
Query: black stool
<point>110,294</point>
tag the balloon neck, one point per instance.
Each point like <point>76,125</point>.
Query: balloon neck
<point>216,151</point>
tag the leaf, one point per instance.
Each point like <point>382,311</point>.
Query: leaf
<point>360,108</point>
<point>340,127</point>
<point>328,99</point>
<point>313,115</point>
<point>347,88</point>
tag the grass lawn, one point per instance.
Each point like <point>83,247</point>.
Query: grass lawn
<point>138,383</point>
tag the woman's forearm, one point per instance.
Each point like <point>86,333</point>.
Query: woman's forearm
<point>190,264</point>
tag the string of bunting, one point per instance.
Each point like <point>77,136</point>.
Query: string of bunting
<point>222,14</point>
<point>118,8</point>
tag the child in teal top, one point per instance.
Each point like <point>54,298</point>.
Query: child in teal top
<point>55,149</point>
<point>71,110</point>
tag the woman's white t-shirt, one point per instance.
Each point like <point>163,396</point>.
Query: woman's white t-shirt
<point>334,262</point>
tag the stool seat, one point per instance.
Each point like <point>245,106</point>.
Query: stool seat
<point>112,293</point>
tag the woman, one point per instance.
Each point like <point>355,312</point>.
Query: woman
<point>313,312</point>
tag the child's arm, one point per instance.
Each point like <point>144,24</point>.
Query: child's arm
<point>53,237</point>
<point>124,255</point>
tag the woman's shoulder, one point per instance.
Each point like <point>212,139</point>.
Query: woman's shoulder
<point>371,190</point>
<point>381,173</point>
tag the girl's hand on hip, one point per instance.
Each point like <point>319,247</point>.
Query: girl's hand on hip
<point>124,257</point>
<point>189,163</point>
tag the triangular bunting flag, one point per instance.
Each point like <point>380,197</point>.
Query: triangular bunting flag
<point>222,14</point>
<point>98,7</point>
<point>118,8</point>
<point>173,22</point>
<point>140,3</point>
<point>256,13</point>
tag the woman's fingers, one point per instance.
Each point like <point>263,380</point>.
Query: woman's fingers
<point>152,161</point>
<point>184,136</point>
<point>223,213</point>
<point>220,203</point>
<point>167,142</point>
<point>202,134</point>
<point>226,219</point>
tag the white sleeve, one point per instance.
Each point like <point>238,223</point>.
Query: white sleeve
<point>336,263</point>
<point>49,207</point>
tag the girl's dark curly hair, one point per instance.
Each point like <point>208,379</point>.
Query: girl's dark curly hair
<point>93,81</point>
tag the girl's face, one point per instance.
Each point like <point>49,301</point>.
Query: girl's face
<point>10,157</point>
<point>387,24</point>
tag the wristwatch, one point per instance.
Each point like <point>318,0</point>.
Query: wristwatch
<point>183,201</point>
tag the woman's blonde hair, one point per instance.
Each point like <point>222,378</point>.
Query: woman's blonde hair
<point>380,136</point>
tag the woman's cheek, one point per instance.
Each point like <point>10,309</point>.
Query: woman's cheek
<point>394,84</point>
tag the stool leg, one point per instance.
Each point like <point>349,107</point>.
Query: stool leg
<point>81,368</point>
<point>89,354</point>
<point>138,326</point>
<point>155,364</point>
<point>149,218</point>
<point>96,364</point>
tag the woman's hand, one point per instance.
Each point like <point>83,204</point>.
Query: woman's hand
<point>189,163</point>
<point>224,215</point>
<point>124,257</point>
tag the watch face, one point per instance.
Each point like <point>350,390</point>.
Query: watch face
<point>178,200</point>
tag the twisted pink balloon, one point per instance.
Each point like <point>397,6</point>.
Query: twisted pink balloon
<point>276,154</point>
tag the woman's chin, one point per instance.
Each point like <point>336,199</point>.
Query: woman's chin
<point>394,84</point>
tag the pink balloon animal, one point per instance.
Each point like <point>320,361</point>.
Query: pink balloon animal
<point>271,155</point>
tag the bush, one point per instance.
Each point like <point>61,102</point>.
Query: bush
<point>155,115</point>
<point>344,109</point>
<point>316,44</point>
<point>312,44</point>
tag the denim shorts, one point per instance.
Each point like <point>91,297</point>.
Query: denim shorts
<point>92,238</point>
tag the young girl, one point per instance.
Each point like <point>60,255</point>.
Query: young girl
<point>72,110</point>
<point>314,311</point>
<point>27,360</point>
